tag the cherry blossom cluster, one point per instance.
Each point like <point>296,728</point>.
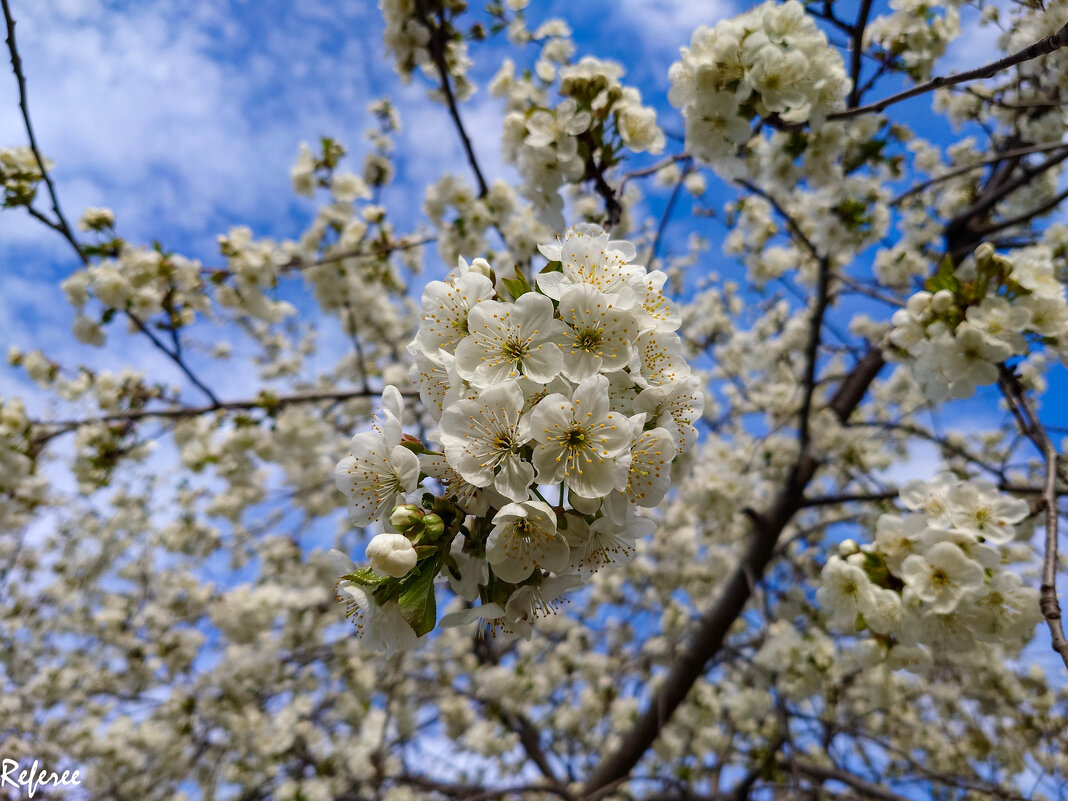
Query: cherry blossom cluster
<point>597,118</point>
<point>559,408</point>
<point>970,320</point>
<point>936,578</point>
<point>19,175</point>
<point>917,32</point>
<point>771,60</point>
<point>22,488</point>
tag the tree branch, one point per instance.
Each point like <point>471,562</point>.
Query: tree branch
<point>1042,47</point>
<point>436,48</point>
<point>1019,151</point>
<point>61,225</point>
<point>1026,216</point>
<point>711,630</point>
<point>862,786</point>
<point>856,50</point>
<point>1030,425</point>
<point>265,400</point>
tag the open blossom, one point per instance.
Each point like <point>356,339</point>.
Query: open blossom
<point>557,126</point>
<point>446,307</point>
<point>580,441</point>
<point>844,593</point>
<point>482,439</point>
<point>675,407</point>
<point>509,340</point>
<point>599,334</point>
<point>980,510</point>
<point>524,536</point>
<point>653,310</point>
<point>381,628</point>
<point>588,256</point>
<point>649,475</point>
<point>610,539</point>
<point>941,576</point>
<point>380,471</point>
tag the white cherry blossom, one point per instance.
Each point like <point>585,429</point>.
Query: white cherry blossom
<point>524,537</point>
<point>483,437</point>
<point>580,441</point>
<point>509,340</point>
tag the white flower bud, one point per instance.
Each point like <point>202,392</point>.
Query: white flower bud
<point>406,517</point>
<point>918,303</point>
<point>391,554</point>
<point>942,301</point>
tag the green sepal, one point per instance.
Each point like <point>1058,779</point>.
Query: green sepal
<point>367,577</point>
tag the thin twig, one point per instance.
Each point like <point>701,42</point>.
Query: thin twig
<point>265,400</point>
<point>1030,425</point>
<point>61,225</point>
<point>436,48</point>
<point>665,218</point>
<point>1042,47</point>
<point>1019,151</point>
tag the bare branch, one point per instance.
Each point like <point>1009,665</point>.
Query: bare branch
<point>862,786</point>
<point>665,218</point>
<point>1019,151</point>
<point>856,49</point>
<point>61,225</point>
<point>175,357</point>
<point>1042,47</point>
<point>264,400</point>
<point>436,47</point>
<point>1030,425</point>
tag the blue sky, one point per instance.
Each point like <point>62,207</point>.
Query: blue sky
<point>184,117</point>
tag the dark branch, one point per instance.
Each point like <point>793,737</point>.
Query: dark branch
<point>60,224</point>
<point>436,46</point>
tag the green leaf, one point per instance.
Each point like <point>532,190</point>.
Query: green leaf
<point>944,278</point>
<point>517,286</point>
<point>417,603</point>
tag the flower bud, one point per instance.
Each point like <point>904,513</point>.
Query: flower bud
<point>918,303</point>
<point>482,267</point>
<point>942,301</point>
<point>433,526</point>
<point>984,253</point>
<point>848,547</point>
<point>392,554</point>
<point>408,517</point>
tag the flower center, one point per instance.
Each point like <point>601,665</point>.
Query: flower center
<point>589,340</point>
<point>514,349</point>
<point>575,438</point>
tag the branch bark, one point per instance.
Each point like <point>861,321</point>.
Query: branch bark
<point>1042,47</point>
<point>1031,427</point>
<point>436,47</point>
<point>711,630</point>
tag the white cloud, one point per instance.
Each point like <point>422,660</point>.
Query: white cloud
<point>668,24</point>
